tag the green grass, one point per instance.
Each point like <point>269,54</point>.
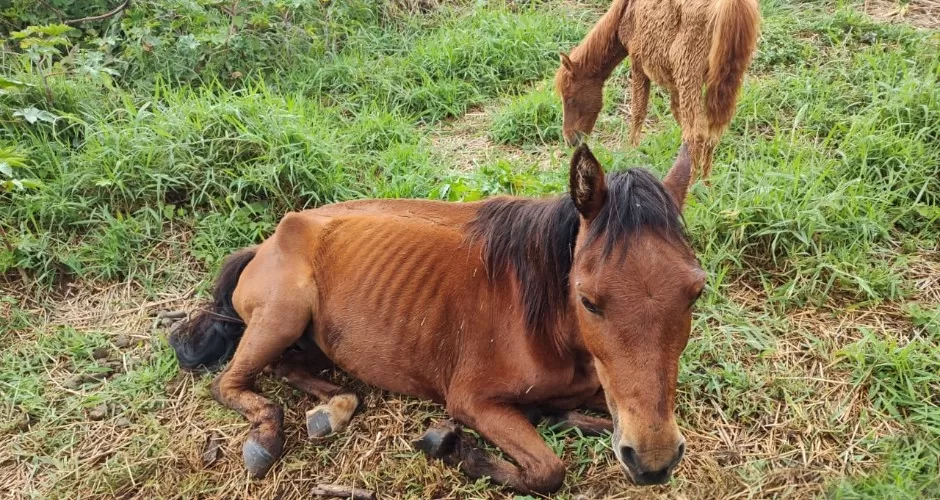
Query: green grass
<point>533,118</point>
<point>178,133</point>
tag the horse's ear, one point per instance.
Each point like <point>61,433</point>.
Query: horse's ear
<point>679,177</point>
<point>587,183</point>
<point>566,61</point>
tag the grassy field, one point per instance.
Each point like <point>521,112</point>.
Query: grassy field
<point>136,152</point>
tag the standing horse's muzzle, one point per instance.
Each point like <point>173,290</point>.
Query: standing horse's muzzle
<point>575,139</point>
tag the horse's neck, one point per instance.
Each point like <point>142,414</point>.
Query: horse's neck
<point>563,340</point>
<point>602,50</point>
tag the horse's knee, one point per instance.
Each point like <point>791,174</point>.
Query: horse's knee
<point>546,477</point>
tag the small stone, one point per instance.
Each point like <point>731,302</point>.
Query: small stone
<point>114,365</point>
<point>176,327</point>
<point>173,386</point>
<point>98,376</point>
<point>21,423</point>
<point>122,341</point>
<point>175,315</point>
<point>74,382</point>
<point>101,353</point>
<point>211,451</point>
<point>99,412</point>
<point>122,422</point>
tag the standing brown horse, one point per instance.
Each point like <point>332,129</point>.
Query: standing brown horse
<point>681,45</point>
<point>502,310</point>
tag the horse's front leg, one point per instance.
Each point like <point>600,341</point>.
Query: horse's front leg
<point>507,428</point>
<point>588,425</point>
<point>570,419</point>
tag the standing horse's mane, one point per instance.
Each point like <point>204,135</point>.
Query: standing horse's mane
<point>601,50</point>
<point>535,238</point>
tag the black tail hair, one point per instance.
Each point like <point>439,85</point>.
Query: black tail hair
<point>208,339</point>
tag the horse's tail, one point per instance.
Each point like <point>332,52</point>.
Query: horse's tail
<point>208,339</point>
<point>735,28</point>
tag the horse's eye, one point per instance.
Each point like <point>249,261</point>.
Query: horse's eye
<point>697,296</point>
<point>590,306</point>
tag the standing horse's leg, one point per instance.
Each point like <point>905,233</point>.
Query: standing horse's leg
<point>268,334</point>
<point>639,100</point>
<point>689,61</point>
<point>690,108</point>
<point>708,150</point>
<point>339,404</point>
<point>674,105</point>
<point>509,429</point>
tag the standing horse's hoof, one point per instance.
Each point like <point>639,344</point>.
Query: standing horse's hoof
<point>258,459</point>
<point>439,440</point>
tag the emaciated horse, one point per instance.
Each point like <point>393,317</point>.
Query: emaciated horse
<point>681,45</point>
<point>505,311</point>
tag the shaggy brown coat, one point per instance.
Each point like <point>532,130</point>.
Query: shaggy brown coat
<point>681,45</point>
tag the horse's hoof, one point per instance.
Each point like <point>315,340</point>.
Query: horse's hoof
<point>318,422</point>
<point>331,417</point>
<point>258,460</point>
<point>439,440</point>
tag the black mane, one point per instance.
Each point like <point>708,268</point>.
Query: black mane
<point>536,238</point>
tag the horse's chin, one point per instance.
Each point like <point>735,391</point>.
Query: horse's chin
<point>575,139</point>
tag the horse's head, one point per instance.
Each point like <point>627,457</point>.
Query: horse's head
<point>634,280</point>
<point>582,95</point>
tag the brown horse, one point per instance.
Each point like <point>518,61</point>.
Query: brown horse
<point>681,45</point>
<point>505,311</point>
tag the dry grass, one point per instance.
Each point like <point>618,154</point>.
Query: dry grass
<point>920,13</point>
<point>792,449</point>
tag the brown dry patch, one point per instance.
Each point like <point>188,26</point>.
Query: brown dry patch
<point>923,270</point>
<point>464,143</point>
<point>920,13</point>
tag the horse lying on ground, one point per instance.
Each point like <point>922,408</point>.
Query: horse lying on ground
<point>505,311</point>
<point>681,45</point>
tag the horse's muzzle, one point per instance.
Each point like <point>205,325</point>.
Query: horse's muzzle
<point>575,139</point>
<point>643,475</point>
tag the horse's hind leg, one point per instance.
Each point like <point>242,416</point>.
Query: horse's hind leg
<point>268,334</point>
<point>338,404</point>
<point>639,100</point>
<point>690,62</point>
<point>708,152</point>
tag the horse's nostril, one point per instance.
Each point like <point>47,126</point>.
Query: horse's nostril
<point>679,454</point>
<point>628,455</point>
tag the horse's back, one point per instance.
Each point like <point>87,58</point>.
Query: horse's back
<point>663,34</point>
